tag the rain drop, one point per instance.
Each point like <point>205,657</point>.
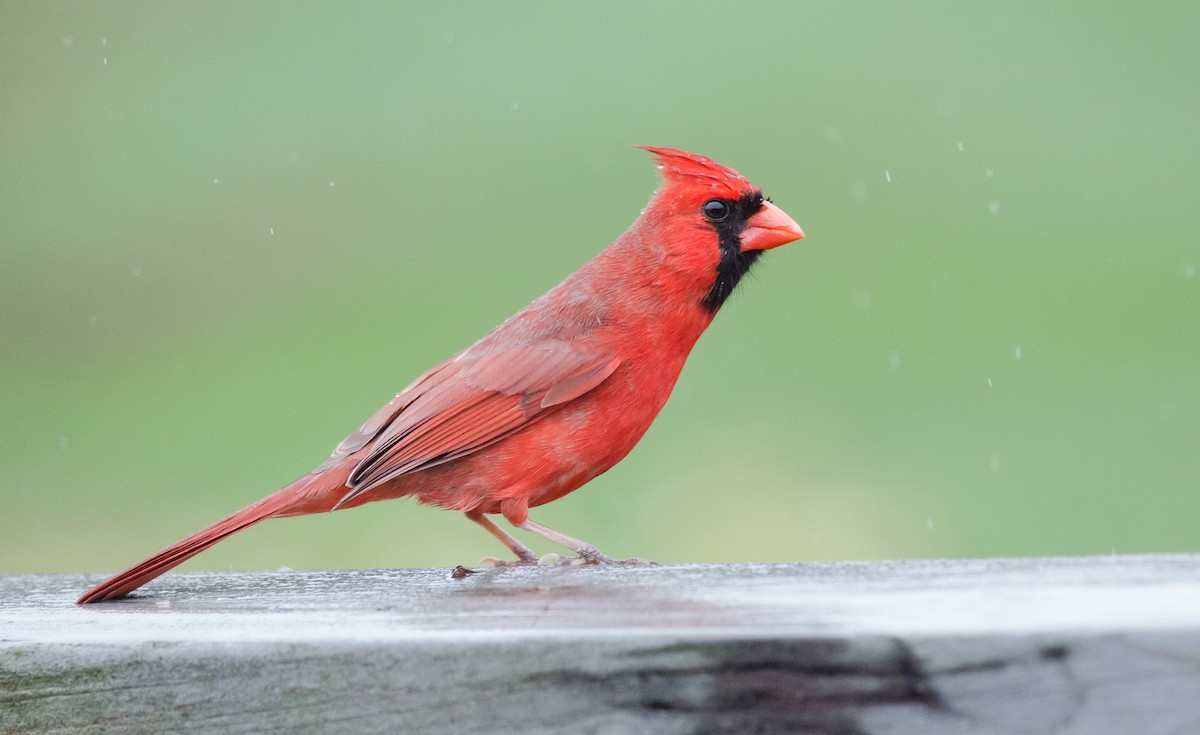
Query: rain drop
<point>893,359</point>
<point>994,207</point>
<point>960,146</point>
<point>994,463</point>
<point>64,442</point>
<point>271,230</point>
<point>989,382</point>
<point>887,176</point>
<point>68,41</point>
<point>988,173</point>
<point>1018,353</point>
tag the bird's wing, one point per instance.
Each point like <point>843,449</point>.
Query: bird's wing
<point>472,400</point>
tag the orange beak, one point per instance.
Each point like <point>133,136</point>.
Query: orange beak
<point>770,228</point>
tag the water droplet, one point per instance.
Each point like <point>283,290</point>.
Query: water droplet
<point>216,180</point>
<point>887,176</point>
<point>1018,352</point>
<point>68,41</point>
<point>989,382</point>
<point>832,132</point>
<point>929,523</point>
<point>514,107</point>
<point>106,61</point>
<point>64,442</point>
<point>994,207</point>
<point>93,320</point>
<point>988,173</point>
<point>894,360</point>
<point>331,183</point>
<point>1188,270</point>
<point>272,230</point>
<point>994,463</point>
<point>104,41</point>
<point>960,146</point>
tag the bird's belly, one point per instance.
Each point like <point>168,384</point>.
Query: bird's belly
<point>549,457</point>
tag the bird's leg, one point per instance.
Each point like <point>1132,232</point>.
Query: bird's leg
<point>525,556</point>
<point>587,553</point>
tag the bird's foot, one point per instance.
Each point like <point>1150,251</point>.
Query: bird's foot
<point>636,562</point>
<point>530,561</point>
<point>548,560</point>
<point>588,557</point>
<point>593,557</point>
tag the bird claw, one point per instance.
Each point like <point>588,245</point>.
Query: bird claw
<point>587,558</point>
<point>598,559</point>
<point>496,562</point>
<point>635,562</point>
<point>546,560</point>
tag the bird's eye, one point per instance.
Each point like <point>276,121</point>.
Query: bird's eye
<point>716,210</point>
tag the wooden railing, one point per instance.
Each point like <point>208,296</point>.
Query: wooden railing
<point>1088,645</point>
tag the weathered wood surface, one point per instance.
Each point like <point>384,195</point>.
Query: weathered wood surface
<point>1061,645</point>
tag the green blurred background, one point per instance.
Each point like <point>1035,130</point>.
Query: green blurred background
<point>230,231</point>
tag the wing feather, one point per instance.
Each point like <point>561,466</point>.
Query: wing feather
<point>468,403</point>
<point>384,416</point>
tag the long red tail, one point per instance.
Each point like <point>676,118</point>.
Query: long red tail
<point>279,503</point>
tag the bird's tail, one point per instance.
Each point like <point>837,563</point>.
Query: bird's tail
<point>277,504</point>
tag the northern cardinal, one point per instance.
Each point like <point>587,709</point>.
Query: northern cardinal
<point>554,396</point>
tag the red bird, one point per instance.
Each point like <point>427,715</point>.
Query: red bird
<point>554,396</point>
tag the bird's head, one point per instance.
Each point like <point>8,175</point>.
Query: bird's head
<point>712,222</point>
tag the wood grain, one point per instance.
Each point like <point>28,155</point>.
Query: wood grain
<point>1053,645</point>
